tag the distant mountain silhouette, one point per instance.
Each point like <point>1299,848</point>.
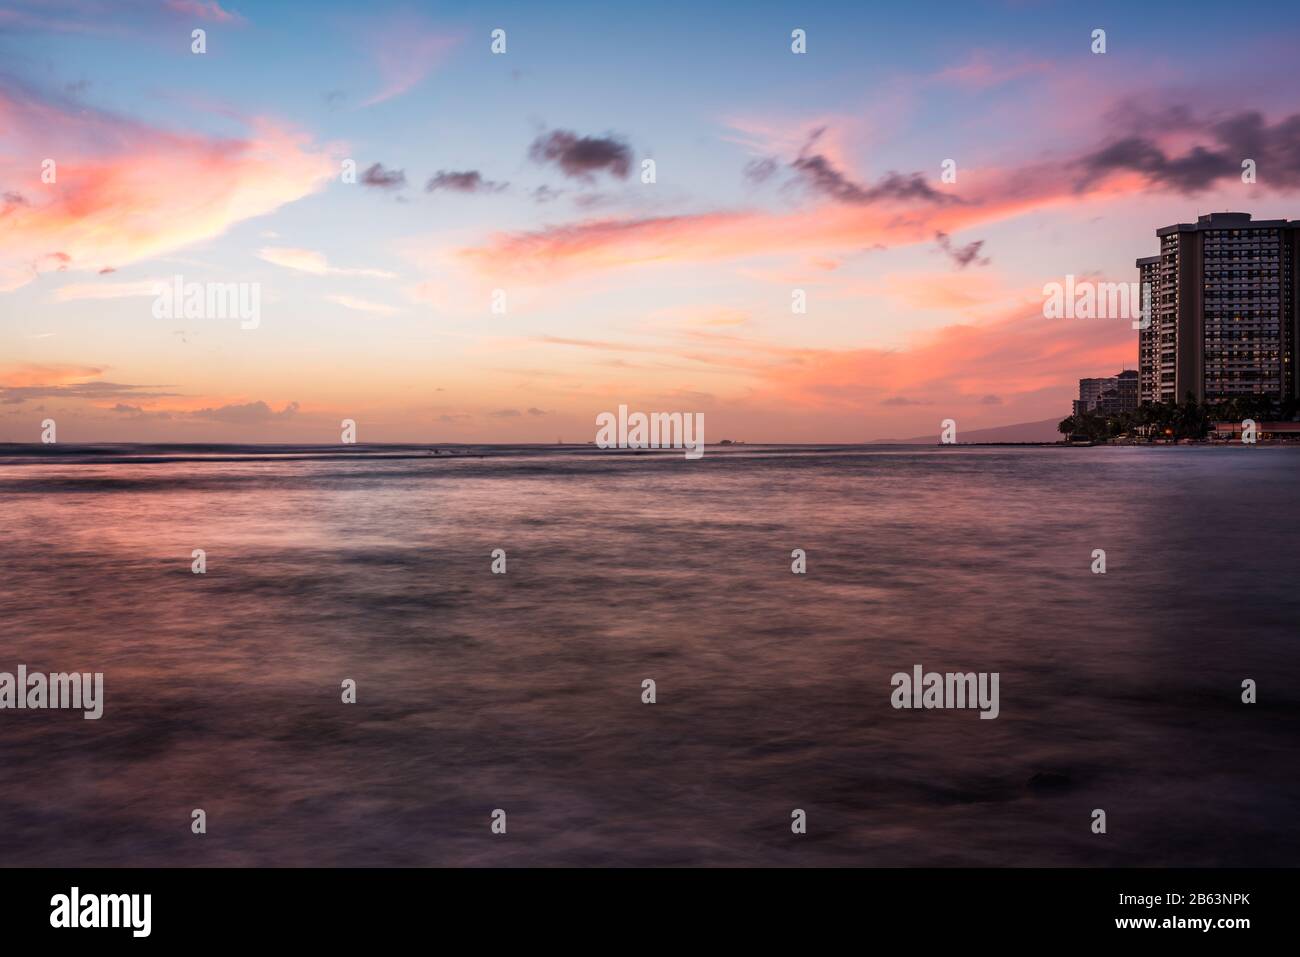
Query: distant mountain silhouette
<point>1044,431</point>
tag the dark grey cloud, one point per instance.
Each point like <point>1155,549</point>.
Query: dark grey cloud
<point>817,173</point>
<point>963,256</point>
<point>465,181</point>
<point>761,170</point>
<point>902,400</point>
<point>991,400</point>
<point>544,194</point>
<point>10,201</point>
<point>1247,135</point>
<point>381,178</point>
<point>594,200</point>
<point>580,157</point>
<point>533,410</point>
<point>821,176</point>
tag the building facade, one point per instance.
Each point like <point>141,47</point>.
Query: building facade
<point>1108,396</point>
<point>1223,317</point>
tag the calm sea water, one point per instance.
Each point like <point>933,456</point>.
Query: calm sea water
<point>523,692</point>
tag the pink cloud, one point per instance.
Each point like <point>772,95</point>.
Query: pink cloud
<point>1027,363</point>
<point>826,228</point>
<point>204,10</point>
<point>125,192</point>
<point>116,17</point>
<point>984,69</point>
<point>829,228</point>
<point>1018,355</point>
<point>836,137</point>
<point>405,51</point>
<point>31,374</point>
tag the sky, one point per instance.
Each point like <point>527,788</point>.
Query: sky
<point>503,267</point>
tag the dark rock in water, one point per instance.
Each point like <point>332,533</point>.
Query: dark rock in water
<point>1049,781</point>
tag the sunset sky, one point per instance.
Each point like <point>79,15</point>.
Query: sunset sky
<point>522,172</point>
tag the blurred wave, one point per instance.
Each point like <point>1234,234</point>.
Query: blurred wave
<point>479,691</point>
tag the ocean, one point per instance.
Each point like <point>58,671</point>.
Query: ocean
<point>523,691</point>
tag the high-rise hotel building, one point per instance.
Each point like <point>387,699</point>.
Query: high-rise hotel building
<point>1224,320</point>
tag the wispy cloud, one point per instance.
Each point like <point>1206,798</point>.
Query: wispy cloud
<point>315,263</point>
<point>33,374</point>
<point>95,390</point>
<point>208,10</point>
<point>126,191</point>
<point>985,69</point>
<point>405,49</point>
<point>106,290</point>
<point>362,305</point>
